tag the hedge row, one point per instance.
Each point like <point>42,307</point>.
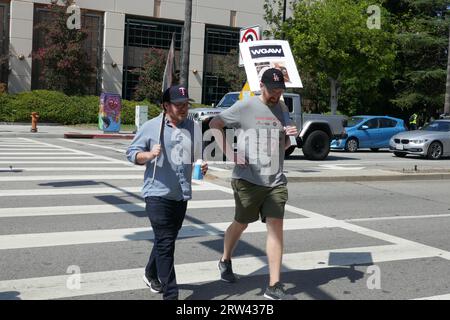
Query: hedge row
<point>56,107</point>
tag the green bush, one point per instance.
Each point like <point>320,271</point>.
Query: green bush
<point>56,107</point>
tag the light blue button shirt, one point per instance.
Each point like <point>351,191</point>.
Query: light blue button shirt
<point>181,146</point>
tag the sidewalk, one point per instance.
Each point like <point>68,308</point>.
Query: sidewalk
<point>343,176</point>
<point>58,131</point>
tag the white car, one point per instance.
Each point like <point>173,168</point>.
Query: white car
<point>432,141</point>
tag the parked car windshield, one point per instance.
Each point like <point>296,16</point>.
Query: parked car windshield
<point>437,126</point>
<point>228,100</point>
<point>354,121</point>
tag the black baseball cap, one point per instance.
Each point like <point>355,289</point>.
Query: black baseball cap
<point>176,94</point>
<point>273,79</point>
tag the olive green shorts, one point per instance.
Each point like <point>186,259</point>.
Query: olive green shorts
<point>253,200</point>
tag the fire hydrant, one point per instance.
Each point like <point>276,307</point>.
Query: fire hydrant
<point>34,121</point>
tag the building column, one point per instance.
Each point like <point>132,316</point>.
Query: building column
<point>20,46</point>
<point>196,61</point>
<point>113,52</point>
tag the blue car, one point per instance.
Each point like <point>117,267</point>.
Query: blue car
<point>372,132</point>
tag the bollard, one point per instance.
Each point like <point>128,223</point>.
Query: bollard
<point>34,121</point>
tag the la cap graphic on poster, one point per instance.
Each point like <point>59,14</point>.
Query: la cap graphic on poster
<point>261,55</point>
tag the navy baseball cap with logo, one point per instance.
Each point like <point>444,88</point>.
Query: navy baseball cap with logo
<point>273,79</point>
<point>176,94</point>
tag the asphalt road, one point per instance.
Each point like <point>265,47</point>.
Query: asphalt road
<point>74,206</point>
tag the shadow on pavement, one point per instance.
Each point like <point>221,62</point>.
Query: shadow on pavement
<point>297,282</point>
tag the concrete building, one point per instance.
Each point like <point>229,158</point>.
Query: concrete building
<point>120,31</point>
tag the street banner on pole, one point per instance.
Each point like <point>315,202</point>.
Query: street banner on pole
<point>169,71</point>
<point>246,35</point>
<point>259,56</point>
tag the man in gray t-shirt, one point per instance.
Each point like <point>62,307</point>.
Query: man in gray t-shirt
<point>263,129</point>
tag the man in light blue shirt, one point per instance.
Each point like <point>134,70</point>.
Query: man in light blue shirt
<point>167,192</point>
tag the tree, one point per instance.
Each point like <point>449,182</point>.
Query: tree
<point>227,68</point>
<point>151,75</point>
<point>64,60</point>
<point>333,45</point>
<point>422,59</point>
<point>184,78</point>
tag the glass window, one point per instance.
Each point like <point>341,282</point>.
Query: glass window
<point>289,103</point>
<point>92,23</point>
<point>353,121</point>
<point>140,35</point>
<point>372,123</point>
<point>228,100</point>
<point>218,42</point>
<point>387,123</point>
<point>4,40</point>
<point>443,126</point>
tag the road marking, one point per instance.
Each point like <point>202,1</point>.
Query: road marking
<point>49,158</point>
<point>341,167</point>
<point>12,162</point>
<point>78,191</point>
<point>73,178</point>
<point>99,169</point>
<point>28,149</point>
<point>55,287</point>
<point>104,208</point>
<point>430,216</point>
<point>438,297</point>
<point>127,163</point>
<point>95,145</point>
<point>53,239</point>
<point>36,153</point>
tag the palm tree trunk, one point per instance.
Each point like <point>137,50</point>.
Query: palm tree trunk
<point>184,77</point>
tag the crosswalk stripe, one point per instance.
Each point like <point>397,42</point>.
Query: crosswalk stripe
<point>438,297</point>
<point>52,169</point>
<point>37,240</point>
<point>78,191</point>
<point>36,153</point>
<point>28,149</point>
<point>79,152</point>
<point>74,177</point>
<point>62,161</point>
<point>102,208</point>
<point>43,157</point>
<point>399,218</point>
<point>55,287</point>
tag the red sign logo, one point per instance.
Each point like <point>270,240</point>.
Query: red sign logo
<point>250,35</point>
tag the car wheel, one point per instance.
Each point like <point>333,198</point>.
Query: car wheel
<point>435,151</point>
<point>289,151</point>
<point>375,149</point>
<point>400,154</point>
<point>351,145</point>
<point>317,145</point>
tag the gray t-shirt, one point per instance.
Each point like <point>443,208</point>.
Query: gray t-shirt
<point>261,137</point>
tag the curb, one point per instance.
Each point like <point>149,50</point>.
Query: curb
<point>362,178</point>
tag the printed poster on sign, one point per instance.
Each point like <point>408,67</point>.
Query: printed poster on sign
<point>109,112</point>
<point>259,56</point>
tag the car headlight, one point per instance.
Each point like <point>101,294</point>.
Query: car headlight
<point>419,141</point>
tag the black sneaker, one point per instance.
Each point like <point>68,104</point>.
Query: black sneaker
<point>277,292</point>
<point>226,271</point>
<point>154,284</point>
